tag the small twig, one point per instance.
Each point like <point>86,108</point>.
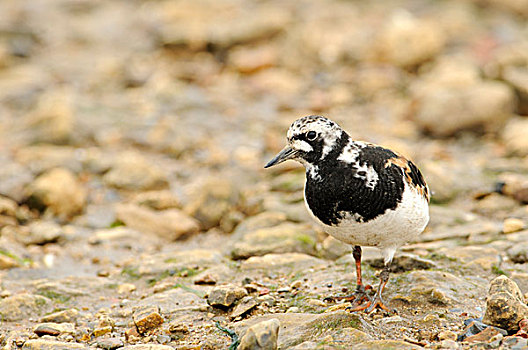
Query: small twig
<point>235,341</point>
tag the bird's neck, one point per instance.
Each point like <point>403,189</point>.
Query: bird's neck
<point>315,167</point>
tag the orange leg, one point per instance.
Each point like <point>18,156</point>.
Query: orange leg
<point>377,301</point>
<point>359,296</point>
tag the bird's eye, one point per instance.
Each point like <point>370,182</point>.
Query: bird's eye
<point>311,135</point>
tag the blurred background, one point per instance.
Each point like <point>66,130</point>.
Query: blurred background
<point>140,128</point>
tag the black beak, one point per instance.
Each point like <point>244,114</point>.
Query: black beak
<point>286,153</point>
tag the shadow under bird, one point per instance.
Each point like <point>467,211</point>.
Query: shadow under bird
<point>362,194</point>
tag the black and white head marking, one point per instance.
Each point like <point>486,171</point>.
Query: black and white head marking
<point>314,134</point>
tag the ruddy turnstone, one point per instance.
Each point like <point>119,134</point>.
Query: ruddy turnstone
<point>362,194</point>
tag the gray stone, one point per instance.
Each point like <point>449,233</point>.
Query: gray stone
<point>180,27</point>
<point>23,306</point>
<point>53,119</point>
<point>170,224</point>
<point>516,343</point>
<point>518,253</point>
<point>59,191</point>
<point>296,328</point>
<point>225,296</point>
<point>404,262</point>
<point>453,98</point>
<point>282,262</point>
<point>175,301</point>
<point>44,157</point>
<point>406,40</point>
<point>246,304</point>
<point>514,136</point>
<point>284,238</point>
<point>132,171</point>
<point>64,316</point>
<point>473,256</point>
<point>253,223</point>
<point>147,347</point>
<point>505,304</point>
<point>514,185</point>
<point>13,179</point>
<point>333,249</point>
<point>436,287</point>
<point>46,344</point>
<point>209,199</point>
<point>261,336</point>
<point>158,200</point>
<point>41,232</point>
<point>385,344</point>
<point>109,343</point>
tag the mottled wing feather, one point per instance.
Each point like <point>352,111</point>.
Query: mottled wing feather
<point>412,174</point>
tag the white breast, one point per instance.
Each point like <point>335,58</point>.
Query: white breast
<point>389,230</point>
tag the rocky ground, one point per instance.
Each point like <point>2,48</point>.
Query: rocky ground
<point>135,212</point>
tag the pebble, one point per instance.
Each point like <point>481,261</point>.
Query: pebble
<point>245,305</point>
<point>407,41</point>
<point>453,91</point>
<point>171,224</point>
<point>147,319</point>
<point>53,119</point>
<point>64,316</point>
<point>178,329</point>
<point>54,329</point>
<point>518,253</point>
<point>110,343</point>
<point>514,136</point>
<point>209,199</point>
<point>132,171</point>
<point>226,295</point>
<point>59,191</point>
<point>147,347</point>
<point>23,306</point>
<point>511,225</point>
<point>126,288</point>
<point>47,344</point>
<point>505,304</point>
<point>41,232</point>
<point>261,336</point>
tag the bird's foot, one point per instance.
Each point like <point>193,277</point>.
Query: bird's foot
<point>357,298</point>
<point>371,305</point>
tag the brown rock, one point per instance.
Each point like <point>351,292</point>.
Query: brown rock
<point>246,304</point>
<point>261,336</point>
<point>132,171</point>
<point>454,94</point>
<point>68,316</point>
<point>59,191</point>
<point>505,304</point>
<point>53,120</point>
<point>406,40</point>
<point>147,320</point>
<point>22,306</point>
<point>40,344</point>
<point>210,199</point>
<point>511,225</point>
<point>514,136</point>
<point>170,224</point>
<point>54,329</point>
<point>225,296</point>
<point>484,336</point>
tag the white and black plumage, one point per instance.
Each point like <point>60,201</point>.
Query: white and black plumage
<point>362,194</point>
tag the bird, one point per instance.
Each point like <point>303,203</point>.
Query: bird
<point>360,193</point>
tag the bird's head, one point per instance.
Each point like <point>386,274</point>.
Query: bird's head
<point>310,139</point>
